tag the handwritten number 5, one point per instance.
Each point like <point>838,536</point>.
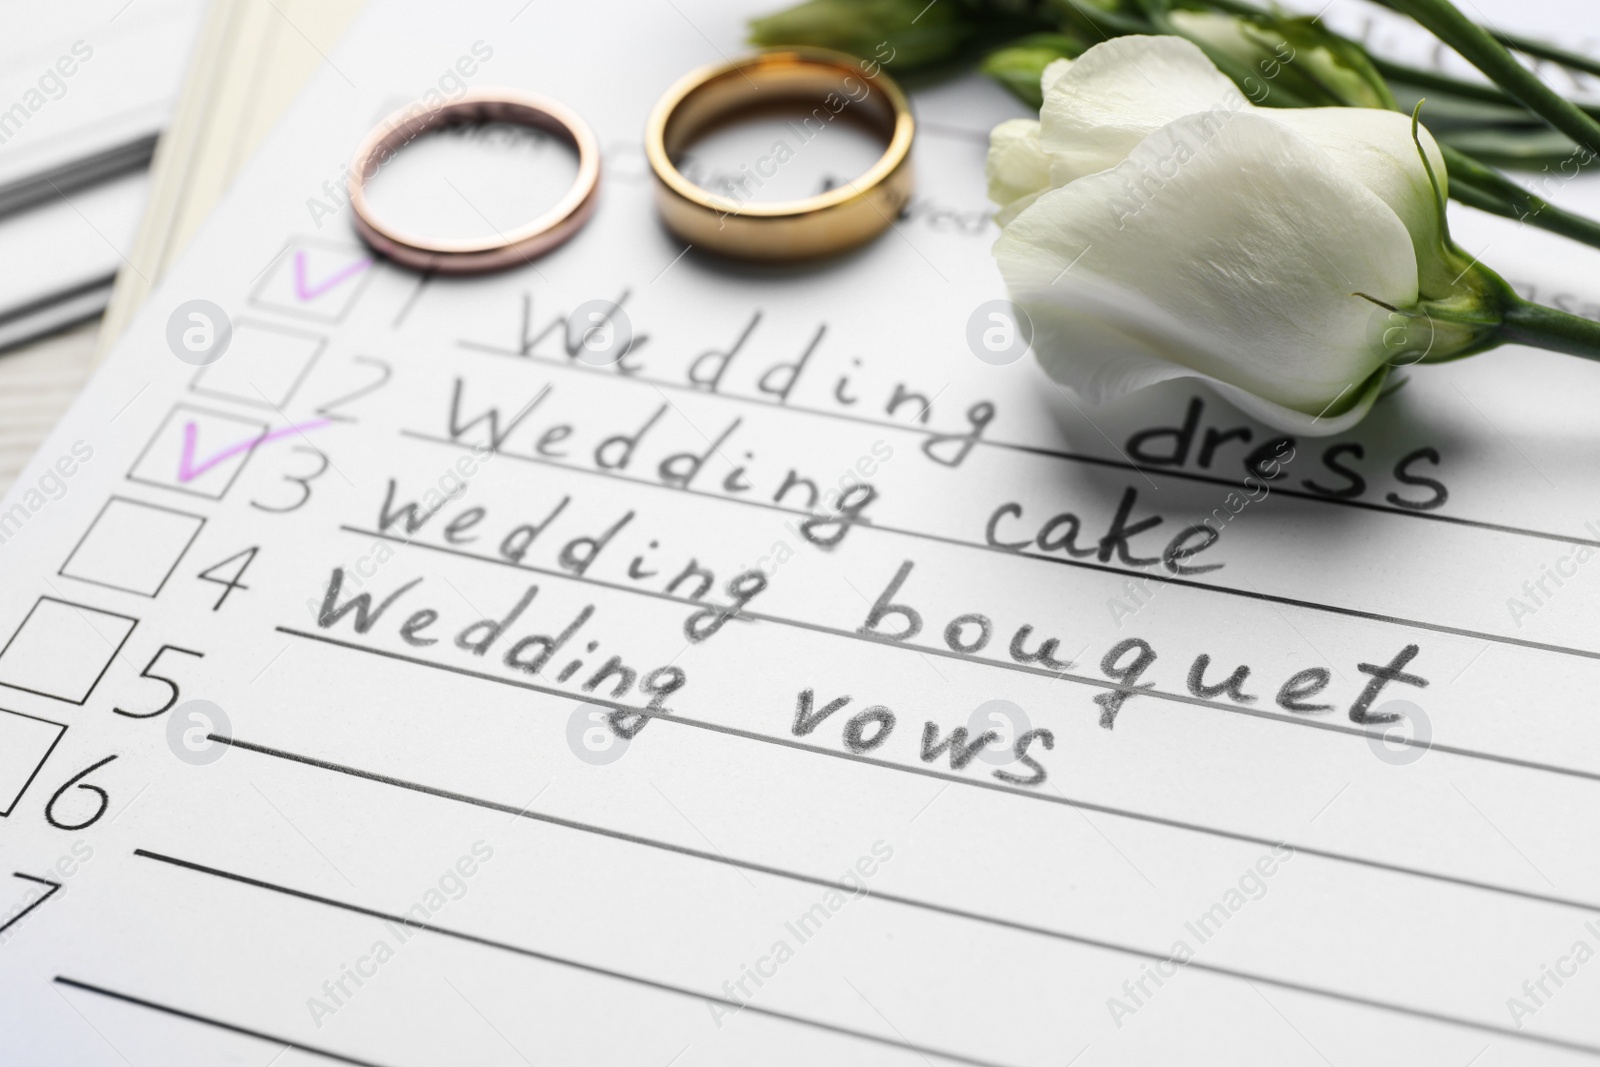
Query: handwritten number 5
<point>77,780</point>
<point>168,682</point>
<point>302,480</point>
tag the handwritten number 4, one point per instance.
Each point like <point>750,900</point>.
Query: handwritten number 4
<point>234,580</point>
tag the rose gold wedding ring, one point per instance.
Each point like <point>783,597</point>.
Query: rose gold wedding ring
<point>476,255</point>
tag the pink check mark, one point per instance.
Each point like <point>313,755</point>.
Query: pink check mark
<point>188,470</point>
<point>306,291</point>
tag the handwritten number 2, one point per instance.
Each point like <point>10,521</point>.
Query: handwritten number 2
<point>385,372</point>
<point>77,780</point>
<point>302,480</point>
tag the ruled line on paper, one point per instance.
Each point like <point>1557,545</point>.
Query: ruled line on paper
<point>569,962</point>
<point>902,900</point>
<point>1104,568</point>
<point>929,772</point>
<point>209,1020</point>
<point>750,616</point>
<point>1032,450</point>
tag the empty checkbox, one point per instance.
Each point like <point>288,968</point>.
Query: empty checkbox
<point>132,546</point>
<point>62,649</point>
<point>263,365</point>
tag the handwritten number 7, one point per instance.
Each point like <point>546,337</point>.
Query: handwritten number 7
<point>168,682</point>
<point>303,481</point>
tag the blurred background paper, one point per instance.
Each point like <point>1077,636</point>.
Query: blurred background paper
<point>85,90</point>
<point>253,57</point>
<point>64,255</point>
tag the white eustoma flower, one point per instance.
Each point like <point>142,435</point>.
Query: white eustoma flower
<point>1157,225</point>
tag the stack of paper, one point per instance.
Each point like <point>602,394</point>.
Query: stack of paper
<point>85,90</point>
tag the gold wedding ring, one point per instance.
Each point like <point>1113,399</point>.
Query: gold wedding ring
<point>831,84</point>
<point>475,255</point>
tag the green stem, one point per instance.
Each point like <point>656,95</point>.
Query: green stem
<point>1428,79</point>
<point>1480,48</point>
<point>1527,323</point>
<point>1236,7</point>
<point>1072,16</point>
<point>1445,83</point>
<point>1532,46</point>
<point>1481,187</point>
<point>1492,150</point>
<point>1528,46</point>
<point>1441,83</point>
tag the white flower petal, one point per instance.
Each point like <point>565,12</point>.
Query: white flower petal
<point>1298,422</point>
<point>1118,93</point>
<point>1017,168</point>
<point>1053,72</point>
<point>1376,149</point>
<point>1105,342</point>
<point>1246,243</point>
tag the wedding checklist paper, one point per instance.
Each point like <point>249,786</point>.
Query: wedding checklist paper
<point>407,686</point>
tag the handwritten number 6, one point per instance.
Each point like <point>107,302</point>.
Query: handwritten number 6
<point>75,780</point>
<point>303,481</point>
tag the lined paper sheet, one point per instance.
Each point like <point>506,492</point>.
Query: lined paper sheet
<point>404,687</point>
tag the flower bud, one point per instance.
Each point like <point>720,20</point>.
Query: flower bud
<point>1158,225</point>
<point>1293,54</point>
<point>1020,65</point>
